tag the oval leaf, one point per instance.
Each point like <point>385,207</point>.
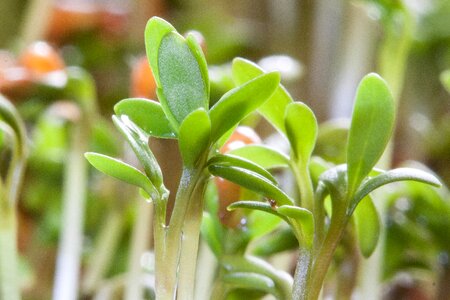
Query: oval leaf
<point>180,79</point>
<point>235,161</point>
<point>266,157</point>
<point>122,171</point>
<point>371,128</point>
<point>194,136</point>
<point>367,224</point>
<point>301,130</point>
<point>252,181</point>
<point>148,115</point>
<point>241,101</point>
<point>139,143</point>
<point>400,174</point>
<point>274,109</point>
<point>155,30</point>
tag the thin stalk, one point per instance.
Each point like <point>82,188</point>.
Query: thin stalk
<point>302,275</point>
<point>74,194</point>
<point>168,239</point>
<point>140,242</point>
<point>190,242</point>
<point>304,184</point>
<point>9,283</point>
<point>322,259</point>
<point>348,269</point>
<point>101,258</point>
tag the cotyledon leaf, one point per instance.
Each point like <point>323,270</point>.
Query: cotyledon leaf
<point>367,224</point>
<point>266,157</point>
<point>252,181</point>
<point>194,136</point>
<point>274,109</point>
<point>371,128</point>
<point>122,171</point>
<point>148,115</point>
<point>236,161</point>
<point>301,130</point>
<point>236,104</point>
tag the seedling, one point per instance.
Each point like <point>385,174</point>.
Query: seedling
<point>183,113</point>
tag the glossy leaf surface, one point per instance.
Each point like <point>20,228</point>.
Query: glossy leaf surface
<point>252,181</point>
<point>194,136</point>
<point>120,170</point>
<point>274,109</point>
<point>371,128</point>
<point>148,115</point>
<point>241,101</point>
<point>236,161</point>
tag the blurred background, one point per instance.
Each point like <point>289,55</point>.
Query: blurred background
<point>322,48</point>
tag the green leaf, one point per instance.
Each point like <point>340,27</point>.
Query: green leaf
<point>139,143</point>
<point>301,130</point>
<point>200,56</point>
<point>180,79</point>
<point>250,264</point>
<point>400,174</point>
<point>241,101</point>
<point>303,218</point>
<point>371,128</point>
<point>122,171</point>
<point>367,223</point>
<point>251,281</point>
<point>274,109</point>
<point>194,136</point>
<point>155,30</point>
<point>276,242</point>
<point>235,161</point>
<point>260,223</point>
<point>146,114</point>
<point>252,181</point>
<point>256,205</point>
<point>266,157</point>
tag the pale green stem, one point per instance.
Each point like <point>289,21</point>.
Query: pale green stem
<point>71,236</point>
<point>189,244</point>
<point>323,258</point>
<point>9,277</point>
<point>105,248</point>
<point>302,275</point>
<point>168,240</point>
<point>304,184</point>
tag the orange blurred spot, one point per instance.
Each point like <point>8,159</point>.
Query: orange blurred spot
<point>142,81</point>
<point>229,192</point>
<point>40,58</point>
